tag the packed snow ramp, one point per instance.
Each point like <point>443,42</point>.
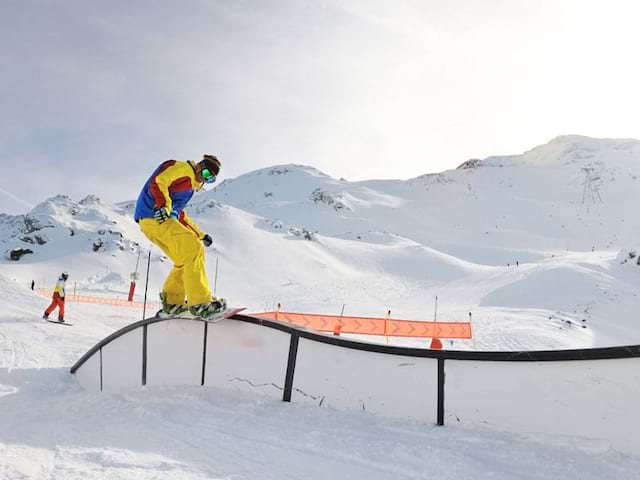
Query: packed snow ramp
<point>589,393</point>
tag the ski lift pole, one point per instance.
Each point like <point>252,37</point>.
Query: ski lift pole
<point>146,286</point>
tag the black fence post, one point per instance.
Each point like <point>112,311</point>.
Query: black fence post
<point>440,391</point>
<point>291,367</point>
<point>204,353</point>
<point>101,369</point>
<point>144,355</point>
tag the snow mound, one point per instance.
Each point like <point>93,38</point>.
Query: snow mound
<point>110,278</point>
<point>555,288</point>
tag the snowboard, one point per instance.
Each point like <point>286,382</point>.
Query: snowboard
<point>226,313</point>
<point>60,323</point>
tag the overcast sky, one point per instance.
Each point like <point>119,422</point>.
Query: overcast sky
<point>93,95</point>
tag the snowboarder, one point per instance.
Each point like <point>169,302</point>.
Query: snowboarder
<point>58,298</point>
<point>162,218</point>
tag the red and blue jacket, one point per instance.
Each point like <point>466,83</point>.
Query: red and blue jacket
<point>171,185</point>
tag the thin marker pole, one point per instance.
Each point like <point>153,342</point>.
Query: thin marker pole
<point>138,261</point>
<point>473,338</point>
<point>386,326</point>
<point>146,286</point>
<point>215,280</point>
<point>435,312</point>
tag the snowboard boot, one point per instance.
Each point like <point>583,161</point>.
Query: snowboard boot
<point>170,309</point>
<point>209,310</point>
<point>61,319</point>
<point>45,316</point>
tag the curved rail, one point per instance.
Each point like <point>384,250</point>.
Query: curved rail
<point>630,351</point>
<point>564,392</point>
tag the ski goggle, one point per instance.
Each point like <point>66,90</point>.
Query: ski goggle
<point>207,175</point>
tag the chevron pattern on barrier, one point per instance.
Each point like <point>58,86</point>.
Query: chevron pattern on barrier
<point>389,327</point>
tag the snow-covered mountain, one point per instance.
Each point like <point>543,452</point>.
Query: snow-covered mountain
<point>68,226</point>
<point>538,246</point>
<point>88,237</point>
<point>492,211</point>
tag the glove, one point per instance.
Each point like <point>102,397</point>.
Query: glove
<point>207,240</point>
<point>161,214</point>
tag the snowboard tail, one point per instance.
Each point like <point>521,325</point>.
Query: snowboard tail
<point>60,323</point>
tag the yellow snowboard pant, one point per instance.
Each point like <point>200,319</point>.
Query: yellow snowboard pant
<point>188,277</point>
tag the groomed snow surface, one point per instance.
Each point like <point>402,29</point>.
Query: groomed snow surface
<point>52,429</point>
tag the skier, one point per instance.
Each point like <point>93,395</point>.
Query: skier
<point>162,218</point>
<point>58,298</point>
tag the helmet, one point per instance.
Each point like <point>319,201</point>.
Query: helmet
<point>64,275</point>
<point>212,163</point>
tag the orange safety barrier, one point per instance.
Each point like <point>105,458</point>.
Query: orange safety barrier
<point>116,302</point>
<point>372,326</point>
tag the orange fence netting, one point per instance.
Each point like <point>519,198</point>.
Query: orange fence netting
<point>388,327</point>
<point>372,326</point>
<point>100,300</point>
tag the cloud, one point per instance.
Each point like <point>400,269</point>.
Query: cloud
<point>96,94</point>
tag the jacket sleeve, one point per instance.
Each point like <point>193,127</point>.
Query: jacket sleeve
<point>190,224</point>
<point>175,173</point>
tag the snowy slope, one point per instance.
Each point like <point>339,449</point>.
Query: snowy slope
<point>51,429</point>
<point>508,239</point>
<point>293,235</point>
